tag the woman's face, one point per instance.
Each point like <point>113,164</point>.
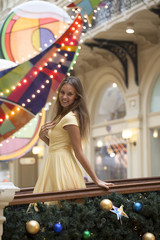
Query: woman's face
<point>67,95</point>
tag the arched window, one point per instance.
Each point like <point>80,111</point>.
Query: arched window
<point>110,150</point>
<point>112,104</point>
<point>155,100</point>
<point>111,157</point>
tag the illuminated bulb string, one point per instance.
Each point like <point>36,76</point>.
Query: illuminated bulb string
<point>20,84</point>
<point>34,94</point>
<point>12,113</point>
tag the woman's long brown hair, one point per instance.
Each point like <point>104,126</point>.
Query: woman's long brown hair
<point>78,106</point>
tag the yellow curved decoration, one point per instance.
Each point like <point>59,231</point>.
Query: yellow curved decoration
<point>23,150</point>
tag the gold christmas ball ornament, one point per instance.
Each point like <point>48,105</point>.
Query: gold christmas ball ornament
<point>32,227</point>
<point>148,236</point>
<point>106,204</point>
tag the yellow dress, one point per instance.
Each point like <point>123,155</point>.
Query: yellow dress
<point>61,170</point>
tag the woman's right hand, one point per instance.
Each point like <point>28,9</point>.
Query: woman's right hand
<point>43,133</point>
<point>45,128</point>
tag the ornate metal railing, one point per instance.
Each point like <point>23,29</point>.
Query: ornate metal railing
<point>114,8</point>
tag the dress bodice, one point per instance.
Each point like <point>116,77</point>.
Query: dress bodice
<point>58,136</point>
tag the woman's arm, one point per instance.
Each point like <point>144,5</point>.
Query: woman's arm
<point>43,133</point>
<point>75,137</point>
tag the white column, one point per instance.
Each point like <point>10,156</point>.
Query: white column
<point>7,192</point>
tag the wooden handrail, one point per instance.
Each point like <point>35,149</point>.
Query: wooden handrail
<point>92,184</point>
<point>124,186</point>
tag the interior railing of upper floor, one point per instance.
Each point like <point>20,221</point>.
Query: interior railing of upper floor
<point>110,9</point>
<point>113,8</point>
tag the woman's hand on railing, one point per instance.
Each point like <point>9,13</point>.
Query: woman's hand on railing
<point>103,184</point>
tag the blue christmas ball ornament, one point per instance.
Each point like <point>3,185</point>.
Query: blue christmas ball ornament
<point>137,207</point>
<point>57,227</point>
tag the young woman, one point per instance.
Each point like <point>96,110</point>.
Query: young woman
<point>63,135</point>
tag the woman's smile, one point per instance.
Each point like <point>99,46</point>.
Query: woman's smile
<point>67,95</point>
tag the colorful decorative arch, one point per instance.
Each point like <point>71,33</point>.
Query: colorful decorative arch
<point>31,84</point>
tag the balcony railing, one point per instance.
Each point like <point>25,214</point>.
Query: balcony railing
<point>124,186</point>
<point>116,8</point>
